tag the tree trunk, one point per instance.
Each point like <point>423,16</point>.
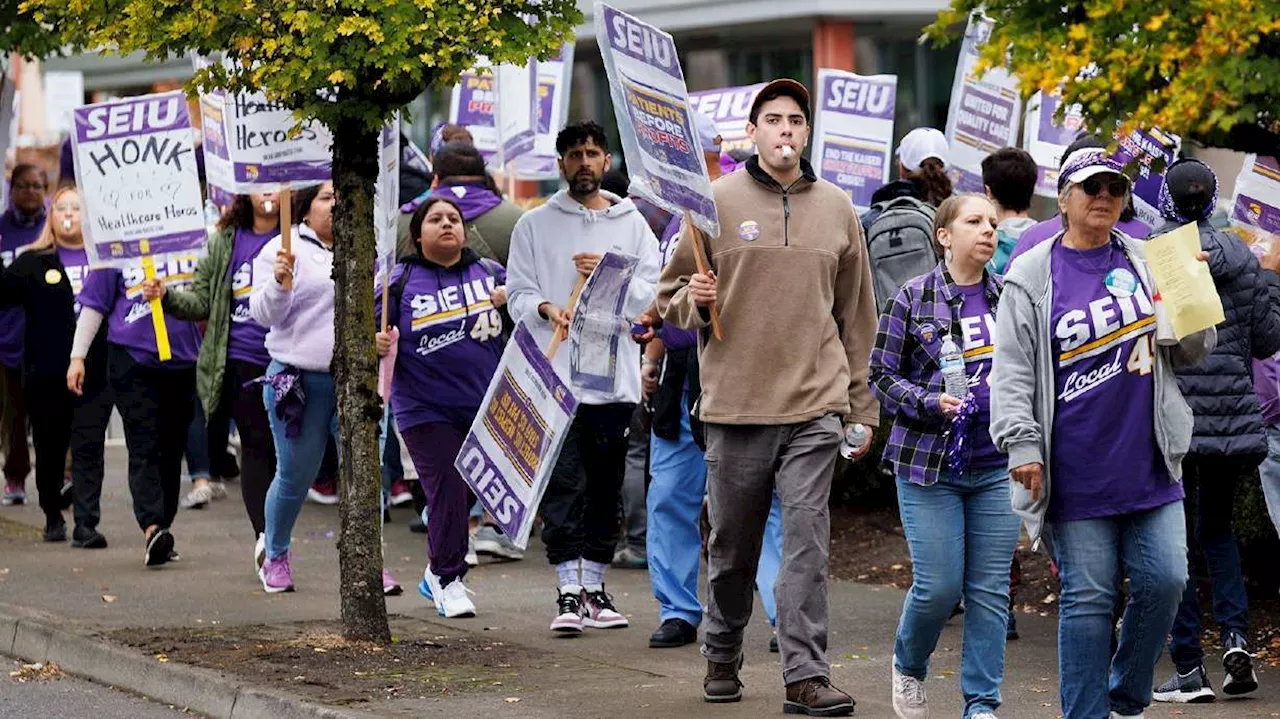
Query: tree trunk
<point>355,173</point>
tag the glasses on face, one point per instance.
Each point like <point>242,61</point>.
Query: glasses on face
<point>1116,187</point>
<point>27,186</point>
<point>66,207</point>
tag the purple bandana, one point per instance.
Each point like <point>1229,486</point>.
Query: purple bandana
<point>1170,211</point>
<point>291,399</point>
<point>956,436</point>
<point>473,198</point>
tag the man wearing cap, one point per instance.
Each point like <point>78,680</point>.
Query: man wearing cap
<point>1228,443</point>
<point>678,467</point>
<point>790,278</point>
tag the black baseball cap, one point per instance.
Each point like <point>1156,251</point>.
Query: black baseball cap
<point>782,87</point>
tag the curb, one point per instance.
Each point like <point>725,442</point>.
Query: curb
<point>199,690</point>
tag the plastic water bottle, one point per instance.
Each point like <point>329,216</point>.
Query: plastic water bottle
<point>954,379</point>
<point>855,438</point>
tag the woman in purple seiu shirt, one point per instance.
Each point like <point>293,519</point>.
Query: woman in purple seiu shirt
<point>953,484</point>
<point>234,350</point>
<point>20,225</point>
<point>1087,406</point>
<point>447,327</point>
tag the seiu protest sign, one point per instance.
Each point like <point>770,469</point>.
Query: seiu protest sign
<point>853,133</point>
<point>512,446</point>
<point>135,159</point>
<point>984,112</point>
<point>651,101</point>
<point>730,107</point>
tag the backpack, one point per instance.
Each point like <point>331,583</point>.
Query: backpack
<point>899,244</point>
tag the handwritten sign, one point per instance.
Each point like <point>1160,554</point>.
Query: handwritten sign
<point>135,159</point>
<point>512,446</point>
<point>1185,285</point>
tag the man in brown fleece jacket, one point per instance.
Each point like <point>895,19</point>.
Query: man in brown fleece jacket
<point>791,279</point>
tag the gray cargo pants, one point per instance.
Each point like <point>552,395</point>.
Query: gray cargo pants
<point>744,464</point>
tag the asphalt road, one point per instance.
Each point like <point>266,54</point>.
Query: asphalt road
<point>70,698</point>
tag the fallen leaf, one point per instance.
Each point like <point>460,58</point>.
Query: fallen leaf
<point>896,567</point>
<point>511,700</point>
<point>109,598</point>
<point>1050,599</point>
<point>162,658</point>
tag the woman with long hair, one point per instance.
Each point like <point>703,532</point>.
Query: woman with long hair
<point>43,283</point>
<point>234,351</point>
<point>953,484</point>
<point>293,297</point>
<point>922,170</point>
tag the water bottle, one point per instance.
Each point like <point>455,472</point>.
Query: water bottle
<point>955,380</point>
<point>855,438</point>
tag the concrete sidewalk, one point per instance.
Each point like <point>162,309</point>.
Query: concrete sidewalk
<point>605,673</point>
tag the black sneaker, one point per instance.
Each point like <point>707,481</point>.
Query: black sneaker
<point>55,531</point>
<point>1190,688</point>
<point>158,548</point>
<point>1238,664</point>
<point>673,633</point>
<point>86,538</point>
<point>773,644</point>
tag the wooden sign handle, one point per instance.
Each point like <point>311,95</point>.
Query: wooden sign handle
<point>286,230</point>
<point>386,296</point>
<point>562,334</point>
<point>700,258</point>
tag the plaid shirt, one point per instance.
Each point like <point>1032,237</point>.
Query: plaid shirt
<point>905,373</point>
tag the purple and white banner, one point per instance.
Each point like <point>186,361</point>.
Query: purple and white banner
<point>651,102</point>
<point>552,99</point>
<point>512,446</point>
<point>1256,207</point>
<point>135,160</point>
<point>1148,150</point>
<point>853,132</point>
<point>599,327</point>
<point>473,105</point>
<point>1046,138</point>
<point>250,145</point>
<point>516,116</point>
<point>984,112</point>
<point>8,124</point>
<point>730,107</point>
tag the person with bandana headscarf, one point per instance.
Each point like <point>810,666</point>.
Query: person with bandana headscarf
<point>1228,441</point>
<point>20,225</point>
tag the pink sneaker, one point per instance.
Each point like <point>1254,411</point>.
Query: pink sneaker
<point>276,575</point>
<point>390,587</point>
<point>14,493</point>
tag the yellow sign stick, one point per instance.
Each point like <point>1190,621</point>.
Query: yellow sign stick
<point>157,314</point>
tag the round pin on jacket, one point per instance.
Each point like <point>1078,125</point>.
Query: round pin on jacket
<point>1121,282</point>
<point>52,277</point>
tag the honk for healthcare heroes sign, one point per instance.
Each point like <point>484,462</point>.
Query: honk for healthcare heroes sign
<point>135,160</point>
<point>651,102</point>
<point>853,133</point>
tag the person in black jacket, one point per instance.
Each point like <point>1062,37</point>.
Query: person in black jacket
<point>1229,441</point>
<point>44,280</point>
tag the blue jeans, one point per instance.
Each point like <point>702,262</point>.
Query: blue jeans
<point>678,482</point>
<point>298,458</point>
<point>966,518</point>
<point>1270,472</point>
<point>1211,491</point>
<point>1150,548</point>
<point>389,448</point>
<point>199,463</point>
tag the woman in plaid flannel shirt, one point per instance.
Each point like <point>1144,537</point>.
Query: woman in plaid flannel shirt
<point>953,485</point>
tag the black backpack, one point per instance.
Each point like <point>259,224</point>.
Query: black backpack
<point>899,244</point>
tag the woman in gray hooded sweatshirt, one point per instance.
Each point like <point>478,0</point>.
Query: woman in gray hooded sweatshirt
<point>1086,405</point>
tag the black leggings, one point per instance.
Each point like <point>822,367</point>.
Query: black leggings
<point>257,448</point>
<point>50,406</point>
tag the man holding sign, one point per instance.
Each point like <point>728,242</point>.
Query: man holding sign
<point>793,286</point>
<point>554,248</point>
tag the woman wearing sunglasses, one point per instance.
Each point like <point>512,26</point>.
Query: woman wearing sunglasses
<point>1086,405</point>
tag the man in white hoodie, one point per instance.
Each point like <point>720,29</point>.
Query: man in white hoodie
<point>552,247</point>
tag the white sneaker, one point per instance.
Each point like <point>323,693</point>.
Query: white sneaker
<point>983,715</point>
<point>488,540</point>
<point>259,552</point>
<point>454,602</point>
<point>472,559</point>
<point>1122,716</point>
<point>909,700</point>
<point>429,587</point>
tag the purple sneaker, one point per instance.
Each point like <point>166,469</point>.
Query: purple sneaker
<point>276,575</point>
<point>390,587</point>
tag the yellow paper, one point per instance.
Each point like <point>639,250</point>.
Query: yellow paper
<point>1185,285</point>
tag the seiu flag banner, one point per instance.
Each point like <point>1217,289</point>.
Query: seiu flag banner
<point>250,144</point>
<point>1047,138</point>
<point>1148,150</point>
<point>1256,207</point>
<point>554,79</point>
<point>516,114</point>
<point>472,105</point>
<point>664,157</point>
<point>513,444</point>
<point>984,112</point>
<point>853,132</point>
<point>730,107</point>
<point>135,159</point>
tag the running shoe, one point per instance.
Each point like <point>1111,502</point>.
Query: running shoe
<point>198,497</point>
<point>472,559</point>
<point>598,611</point>
<point>259,552</point>
<point>454,602</point>
<point>489,540</point>
<point>568,611</point>
<point>15,493</point>
<point>1192,687</point>
<point>325,493</point>
<point>400,493</point>
<point>909,698</point>
<point>276,575</point>
<point>159,545</point>
<point>1238,663</point>
<point>429,587</point>
<point>628,558</point>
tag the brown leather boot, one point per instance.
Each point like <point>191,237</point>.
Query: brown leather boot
<point>816,697</point>
<point>722,685</point>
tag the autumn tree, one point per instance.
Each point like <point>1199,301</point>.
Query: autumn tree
<point>351,64</point>
<point>1208,70</point>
